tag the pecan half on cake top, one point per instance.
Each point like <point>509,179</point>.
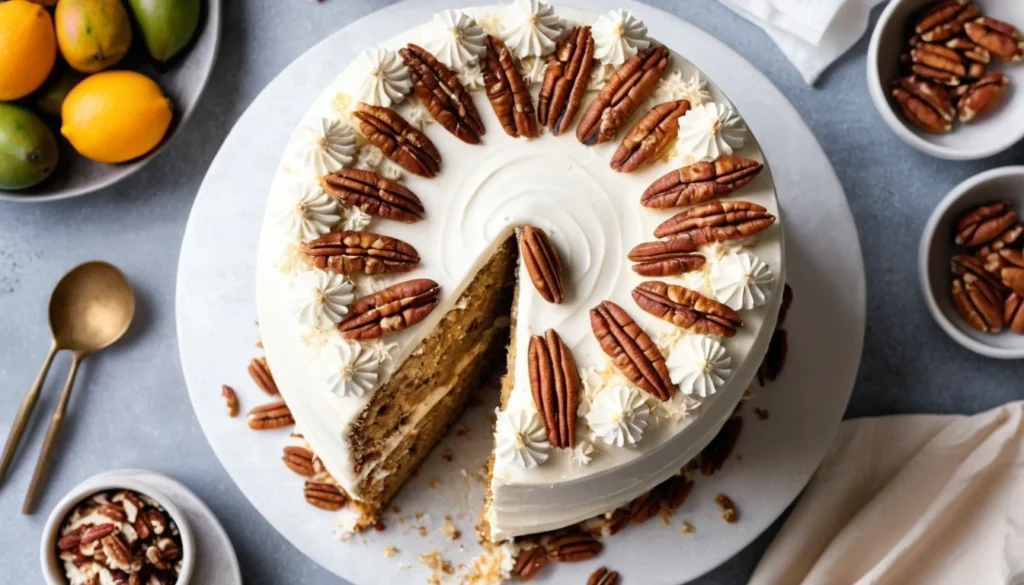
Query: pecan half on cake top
<point>507,92</point>
<point>628,87</point>
<point>441,92</point>
<point>650,137</point>
<point>398,139</point>
<point>566,79</point>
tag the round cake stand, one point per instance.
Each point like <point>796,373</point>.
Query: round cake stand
<point>217,335</point>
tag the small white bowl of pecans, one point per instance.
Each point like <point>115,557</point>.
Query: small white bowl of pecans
<point>971,263</point>
<point>119,531</point>
<point>947,76</point>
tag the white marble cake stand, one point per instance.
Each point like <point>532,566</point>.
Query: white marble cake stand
<point>216,333</point>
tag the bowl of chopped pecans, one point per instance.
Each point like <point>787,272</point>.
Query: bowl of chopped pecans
<point>947,76</point>
<point>971,263</point>
<point>119,531</point>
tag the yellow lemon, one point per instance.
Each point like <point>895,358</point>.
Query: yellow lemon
<point>115,116</point>
<point>28,48</point>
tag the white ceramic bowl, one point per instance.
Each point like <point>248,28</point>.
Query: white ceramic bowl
<point>53,569</point>
<point>990,133</point>
<point>937,249</point>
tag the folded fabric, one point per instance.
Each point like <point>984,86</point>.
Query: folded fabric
<point>812,34</point>
<point>922,499</point>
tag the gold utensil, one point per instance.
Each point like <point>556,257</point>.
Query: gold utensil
<point>90,309</point>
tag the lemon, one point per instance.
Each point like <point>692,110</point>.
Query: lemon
<point>28,48</point>
<point>115,116</point>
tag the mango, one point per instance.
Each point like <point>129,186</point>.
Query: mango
<point>92,34</point>
<point>167,25</point>
<point>51,96</point>
<point>28,149</point>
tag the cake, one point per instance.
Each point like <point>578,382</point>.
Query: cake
<point>544,193</point>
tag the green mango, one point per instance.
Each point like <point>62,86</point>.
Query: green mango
<point>28,149</point>
<point>50,98</point>
<point>167,25</point>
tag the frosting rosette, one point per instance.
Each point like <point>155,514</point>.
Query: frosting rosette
<point>379,77</point>
<point>520,439</point>
<point>322,298</point>
<point>530,28</point>
<point>327,145</point>
<point>455,39</point>
<point>618,416</point>
<point>699,365</point>
<point>709,131</point>
<point>741,281</point>
<point>618,37</point>
<point>311,216</point>
<point>350,370</point>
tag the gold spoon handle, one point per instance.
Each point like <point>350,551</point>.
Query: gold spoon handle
<point>51,438</point>
<point>28,404</point>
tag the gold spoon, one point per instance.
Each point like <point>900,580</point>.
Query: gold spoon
<point>90,309</point>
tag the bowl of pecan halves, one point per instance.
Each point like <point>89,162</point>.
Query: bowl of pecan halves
<point>947,76</point>
<point>117,531</point>
<point>972,263</point>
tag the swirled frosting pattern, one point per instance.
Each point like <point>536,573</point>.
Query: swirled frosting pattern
<point>455,39</point>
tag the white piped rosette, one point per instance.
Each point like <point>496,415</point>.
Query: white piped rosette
<point>311,215</point>
<point>322,298</point>
<point>378,77</point>
<point>699,365</point>
<point>618,37</point>
<point>741,281</point>
<point>326,145</point>
<point>455,39</point>
<point>520,439</point>
<point>530,28</point>
<point>709,131</point>
<point>349,369</point>
<point>618,416</point>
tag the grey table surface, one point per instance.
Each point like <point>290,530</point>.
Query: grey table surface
<point>131,408</point>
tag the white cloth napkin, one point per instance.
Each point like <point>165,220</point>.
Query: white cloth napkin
<point>922,499</point>
<point>811,33</point>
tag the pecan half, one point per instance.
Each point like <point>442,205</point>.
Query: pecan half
<point>661,260</point>
<point>631,349</point>
<point>374,194</point>
<point>628,87</point>
<point>938,63</point>
<point>775,358</point>
<point>529,562</point>
<point>718,451</point>
<point>439,90</point>
<point>1007,238</point>
<point>566,79</point>
<point>981,96</point>
<point>573,547</point>
<point>700,182</point>
<point>266,417</point>
<point>398,139</point>
<point>717,221</point>
<point>945,20</point>
<point>984,223</point>
<point>118,555</point>
<point>603,576</point>
<point>508,93</point>
<point>1013,313</point>
<point>555,383</point>
<point>970,49</point>
<point>230,399</point>
<point>259,371</point>
<point>324,495</point>
<point>978,303</point>
<point>686,308</point>
<point>727,508</point>
<point>542,263</point>
<point>349,252</point>
<point>650,137</point>
<point>393,309</point>
<point>925,105</point>
<point>963,264</point>
<point>298,459</point>
<point>1000,38</point>
<point>1012,272</point>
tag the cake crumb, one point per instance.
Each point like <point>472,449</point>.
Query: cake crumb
<point>437,565</point>
<point>448,455</point>
<point>390,551</point>
<point>404,566</point>
<point>422,530</point>
<point>449,529</point>
<point>419,515</point>
<point>688,528</point>
<point>433,483</point>
<point>761,413</point>
<point>727,508</point>
<point>462,431</point>
<point>396,509</point>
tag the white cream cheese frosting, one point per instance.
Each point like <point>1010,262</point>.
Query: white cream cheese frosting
<point>350,370</point>
<point>673,86</point>
<point>741,281</point>
<point>619,415</point>
<point>520,439</point>
<point>328,145</point>
<point>378,77</point>
<point>322,298</point>
<point>710,131</point>
<point>530,28</point>
<point>455,39</point>
<point>312,214</point>
<point>699,365</point>
<point>481,195</point>
<point>618,37</point>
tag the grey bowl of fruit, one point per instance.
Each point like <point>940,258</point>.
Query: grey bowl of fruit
<point>100,87</point>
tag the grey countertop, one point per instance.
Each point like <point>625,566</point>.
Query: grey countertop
<point>131,409</point>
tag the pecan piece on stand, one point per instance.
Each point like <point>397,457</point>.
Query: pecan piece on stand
<point>555,383</point>
<point>572,547</point>
<point>628,87</point>
<point>700,182</point>
<point>997,37</point>
<point>925,105</point>
<point>1013,313</point>
<point>650,137</point>
<point>631,349</point>
<point>350,252</point>
<point>981,96</point>
<point>266,417</point>
<point>542,263</point>
<point>298,459</point>
<point>508,93</point>
<point>686,308</point>
<point>324,495</point>
<point>398,139</point>
<point>374,194</point>
<point>978,303</point>
<point>985,223</point>
<point>259,371</point>
<point>603,576</point>
<point>444,96</point>
<point>938,63</point>
<point>566,79</point>
<point>529,562</point>
<point>717,221</point>
<point>395,308</point>
<point>945,20</point>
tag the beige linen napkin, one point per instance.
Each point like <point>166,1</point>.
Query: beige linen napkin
<point>919,499</point>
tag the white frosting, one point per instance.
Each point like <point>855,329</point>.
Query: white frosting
<point>312,215</point>
<point>530,28</point>
<point>381,350</point>
<point>349,370</point>
<point>674,87</point>
<point>520,439</point>
<point>709,131</point>
<point>741,281</point>
<point>618,37</point>
<point>618,416</point>
<point>322,298</point>
<point>328,144</point>
<point>356,220</point>
<point>379,77</point>
<point>699,365</point>
<point>533,69</point>
<point>471,76</point>
<point>583,453</point>
<point>455,39</point>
